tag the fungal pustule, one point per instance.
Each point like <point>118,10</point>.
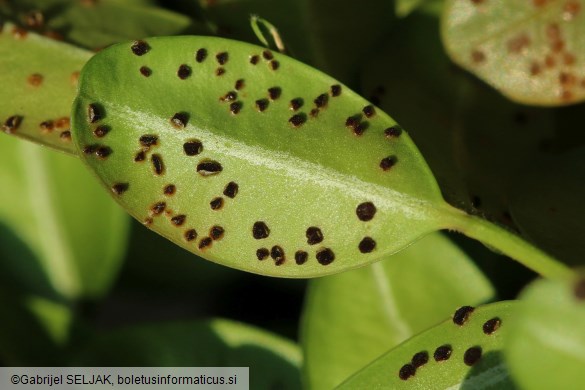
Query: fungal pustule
<point>248,156</point>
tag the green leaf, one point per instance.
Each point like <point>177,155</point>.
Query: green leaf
<point>75,232</point>
<point>545,345</point>
<point>338,186</point>
<point>352,318</point>
<point>528,50</point>
<point>274,362</point>
<point>447,356</point>
<point>405,7</point>
<point>39,87</point>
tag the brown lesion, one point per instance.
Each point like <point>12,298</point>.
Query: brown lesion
<point>35,80</point>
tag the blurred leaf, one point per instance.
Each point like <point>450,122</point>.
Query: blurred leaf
<point>447,356</point>
<point>531,51</point>
<point>55,206</point>
<point>274,362</point>
<point>352,318</point>
<point>405,7</point>
<point>545,343</point>
<point>40,86</point>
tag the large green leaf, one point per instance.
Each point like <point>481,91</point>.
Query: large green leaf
<point>352,318</point>
<point>274,362</point>
<point>75,233</point>
<point>545,345</point>
<point>464,352</point>
<point>531,51</point>
<point>221,164</point>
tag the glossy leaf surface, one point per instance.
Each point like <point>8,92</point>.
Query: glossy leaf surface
<point>352,318</point>
<point>250,158</point>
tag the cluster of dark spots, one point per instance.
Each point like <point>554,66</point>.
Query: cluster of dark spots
<point>462,314</point>
<point>335,90</point>
<point>201,55</point>
<point>170,189</point>
<point>101,131</point>
<point>209,167</point>
<point>260,230</point>
<point>262,253</point>
<point>239,84</point>
<point>48,126</point>
<point>148,140</point>
<point>19,33</point>
<point>216,203</point>
<point>314,235</point>
<point>443,353</point>
<point>369,111</point>
<point>406,371</point>
<point>35,79</point>
<point>229,97</point>
<point>262,104</point>
<point>301,257</point>
<point>267,54</point>
<point>65,136</point>
<point>298,120</point>
<point>274,93</point>
<point>236,107</point>
<point>140,156</point>
<point>231,190</point>
<point>491,325</point>
<point>190,235</point>
<point>95,113</point>
<point>158,208</point>
<point>145,71</point>
<point>220,71</point>
<point>216,232</point>
<point>277,254</point>
<point>178,220</point>
<point>579,289</point>
<point>393,132</point>
<point>157,164</point>
<point>254,59</point>
<point>325,256</point>
<point>365,211</point>
<point>367,245</point>
<point>34,19</point>
<point>388,162</point>
<point>420,359</point>
<point>205,242</point>
<point>472,355</point>
<point>120,188</point>
<point>274,65</point>
<point>140,48</point>
<point>184,71</point>
<point>296,103</point>
<point>321,100</point>
<point>192,147</point>
<point>222,58</point>
<point>180,120</point>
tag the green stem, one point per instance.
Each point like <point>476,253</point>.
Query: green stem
<point>510,244</point>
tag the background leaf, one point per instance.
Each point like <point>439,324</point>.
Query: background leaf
<point>352,318</point>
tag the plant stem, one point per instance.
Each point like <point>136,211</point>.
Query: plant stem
<point>510,244</point>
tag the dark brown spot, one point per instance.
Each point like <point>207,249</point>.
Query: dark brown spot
<point>140,48</point>
<point>393,132</point>
<point>145,71</point>
<point>325,256</point>
<point>222,58</point>
<point>335,90</point>
<point>369,111</point>
<point>63,123</point>
<point>367,245</point>
<point>239,84</point>
<point>235,107</point>
<point>184,71</point>
<point>12,124</point>
<point>388,162</point>
<point>229,97</point>
<point>148,140</point>
<point>201,55</point>
<point>321,100</point>
<point>462,314</point>
<point>442,353</point>
<point>103,152</point>
<point>192,147</point>
<point>157,164</point>
<point>205,242</point>
<point>518,43</point>
<point>140,156</point>
<point>90,149</point>
<point>158,208</point>
<point>178,220</point>
<point>35,79</point>
<point>231,190</point>
<point>274,93</point>
<point>209,167</point>
<point>365,211</point>
<point>101,131</point>
<point>420,359</point>
<point>261,104</point>
<point>170,189</point>
<point>180,120</point>
<point>352,122</point>
<point>262,253</point>
<point>267,54</point>
<point>48,126</point>
<point>220,71</point>
<point>274,65</point>
<point>296,103</point>
<point>277,254</point>
<point>148,221</point>
<point>490,326</point>
<point>360,128</point>
<point>254,59</point>
<point>571,9</point>
<point>120,188</point>
<point>314,235</point>
<point>216,232</point>
<point>301,257</point>
<point>260,230</point>
<point>65,136</point>
<point>579,289</point>
<point>406,371</point>
<point>478,57</point>
<point>297,120</point>
<point>190,235</point>
<point>314,113</point>
<point>94,113</point>
<point>34,19</point>
<point>216,203</point>
<point>535,69</point>
<point>472,355</point>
